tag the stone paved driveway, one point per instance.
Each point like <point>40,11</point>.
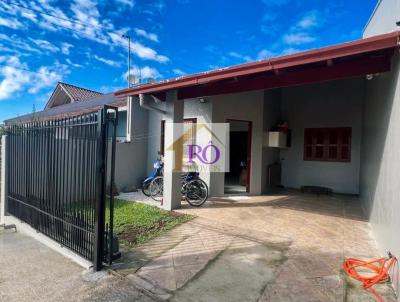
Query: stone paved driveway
<point>287,247</point>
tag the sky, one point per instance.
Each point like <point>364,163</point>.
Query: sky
<point>80,42</point>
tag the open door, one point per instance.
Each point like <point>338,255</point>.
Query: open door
<point>237,180</point>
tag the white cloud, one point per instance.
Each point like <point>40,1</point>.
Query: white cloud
<point>239,56</point>
<point>178,72</point>
<point>301,32</point>
<point>158,5</point>
<point>149,72</point>
<point>13,76</point>
<point>73,64</point>
<point>10,22</point>
<point>298,38</point>
<point>130,3</point>
<point>13,80</point>
<point>86,11</point>
<point>65,47</point>
<point>29,15</point>
<point>310,19</point>
<point>16,42</point>
<point>290,50</point>
<point>143,73</point>
<point>264,54</point>
<point>44,77</point>
<point>147,53</point>
<point>143,33</point>
<point>46,45</point>
<point>107,61</point>
<point>16,77</point>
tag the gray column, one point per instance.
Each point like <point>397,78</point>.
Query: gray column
<point>3,182</point>
<point>173,156</point>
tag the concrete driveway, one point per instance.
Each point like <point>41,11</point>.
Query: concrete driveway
<point>30,271</point>
<point>284,247</point>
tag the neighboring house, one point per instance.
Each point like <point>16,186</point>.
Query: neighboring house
<point>66,94</point>
<point>69,100</point>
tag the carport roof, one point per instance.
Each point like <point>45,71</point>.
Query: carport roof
<point>366,56</point>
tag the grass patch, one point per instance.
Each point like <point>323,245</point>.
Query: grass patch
<point>136,223</point>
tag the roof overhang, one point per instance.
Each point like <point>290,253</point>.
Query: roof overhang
<point>366,56</point>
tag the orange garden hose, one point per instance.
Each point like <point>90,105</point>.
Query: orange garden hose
<point>376,271</point>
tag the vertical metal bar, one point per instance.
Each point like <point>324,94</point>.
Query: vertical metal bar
<point>101,196</point>
<point>112,176</point>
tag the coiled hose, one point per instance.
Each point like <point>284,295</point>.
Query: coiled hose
<point>376,271</point>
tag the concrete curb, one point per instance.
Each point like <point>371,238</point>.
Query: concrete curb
<point>26,229</point>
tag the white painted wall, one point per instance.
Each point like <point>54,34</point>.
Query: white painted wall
<point>380,164</point>
<point>242,106</point>
<point>217,109</point>
<point>192,109</point>
<point>330,104</point>
<point>272,116</point>
<point>130,157</point>
<point>383,19</point>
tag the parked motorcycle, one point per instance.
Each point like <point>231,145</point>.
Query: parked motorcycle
<point>158,168</point>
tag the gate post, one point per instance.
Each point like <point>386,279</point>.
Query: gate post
<point>101,191</point>
<point>3,178</point>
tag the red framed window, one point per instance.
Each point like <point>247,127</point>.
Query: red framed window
<point>327,144</point>
<point>190,124</point>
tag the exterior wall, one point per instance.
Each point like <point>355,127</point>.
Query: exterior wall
<point>330,104</point>
<point>384,18</point>
<point>154,134</point>
<point>247,106</point>
<point>217,109</point>
<point>380,164</point>
<point>192,109</point>
<point>272,116</point>
<point>131,156</point>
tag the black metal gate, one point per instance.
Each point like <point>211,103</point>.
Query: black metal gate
<point>57,180</point>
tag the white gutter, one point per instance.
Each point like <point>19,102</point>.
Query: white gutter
<point>144,104</point>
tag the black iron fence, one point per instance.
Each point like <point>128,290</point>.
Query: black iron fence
<point>57,174</point>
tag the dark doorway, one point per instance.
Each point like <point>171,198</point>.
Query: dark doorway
<point>237,180</point>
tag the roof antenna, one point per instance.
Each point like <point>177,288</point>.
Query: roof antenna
<point>126,36</point>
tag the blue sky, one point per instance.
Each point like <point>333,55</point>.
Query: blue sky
<point>79,41</point>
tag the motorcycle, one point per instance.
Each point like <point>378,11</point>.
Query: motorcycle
<point>158,167</point>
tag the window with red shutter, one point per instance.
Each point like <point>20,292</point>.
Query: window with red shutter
<point>327,144</point>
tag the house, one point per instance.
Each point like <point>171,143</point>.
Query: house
<point>325,117</point>
<point>70,100</point>
<point>341,105</point>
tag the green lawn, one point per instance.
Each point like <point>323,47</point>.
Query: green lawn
<point>136,223</point>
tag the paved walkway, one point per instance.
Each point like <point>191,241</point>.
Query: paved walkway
<point>32,272</point>
<point>287,247</point>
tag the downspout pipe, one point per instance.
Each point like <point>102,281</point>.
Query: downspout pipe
<point>144,104</point>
